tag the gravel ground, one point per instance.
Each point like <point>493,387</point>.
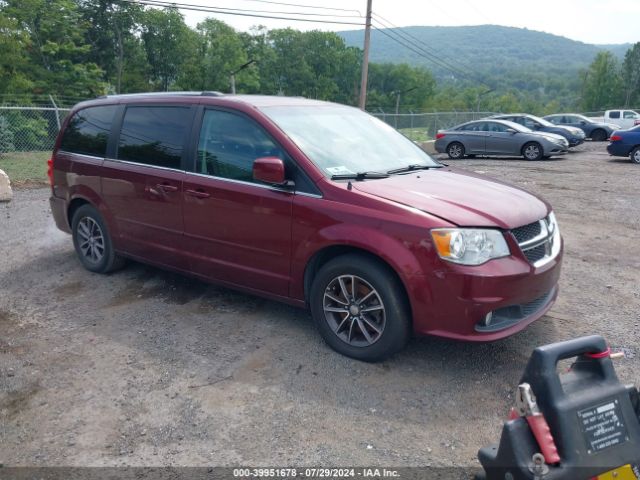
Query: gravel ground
<point>143,367</point>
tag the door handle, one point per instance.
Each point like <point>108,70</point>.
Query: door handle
<point>167,187</point>
<point>197,193</point>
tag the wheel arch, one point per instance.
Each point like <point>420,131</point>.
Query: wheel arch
<point>328,253</point>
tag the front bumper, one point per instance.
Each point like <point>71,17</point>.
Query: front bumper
<point>461,297</point>
<point>575,141</point>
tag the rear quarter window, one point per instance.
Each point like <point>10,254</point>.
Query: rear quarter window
<point>88,130</point>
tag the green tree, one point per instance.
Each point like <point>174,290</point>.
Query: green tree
<point>112,34</point>
<point>601,88</point>
<point>168,43</point>
<point>631,75</point>
<point>220,51</point>
<point>56,50</point>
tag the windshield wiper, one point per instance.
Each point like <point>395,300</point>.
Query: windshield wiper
<point>415,166</point>
<point>359,176</point>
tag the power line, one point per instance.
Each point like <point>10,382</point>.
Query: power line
<point>401,31</point>
<point>162,3</point>
<point>306,6</point>
<point>180,6</point>
<point>433,59</point>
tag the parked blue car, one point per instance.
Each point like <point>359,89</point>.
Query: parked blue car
<point>596,131</point>
<point>625,143</point>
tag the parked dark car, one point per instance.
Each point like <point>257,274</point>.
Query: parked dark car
<point>311,203</point>
<point>596,131</point>
<point>625,143</point>
<point>575,136</point>
<point>498,137</point>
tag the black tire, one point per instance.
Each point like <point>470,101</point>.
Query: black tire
<point>635,155</point>
<point>532,151</point>
<point>455,150</point>
<point>92,241</point>
<point>384,299</point>
<point>599,135</point>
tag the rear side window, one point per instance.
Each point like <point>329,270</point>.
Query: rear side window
<point>88,131</point>
<point>154,135</point>
<point>615,114</point>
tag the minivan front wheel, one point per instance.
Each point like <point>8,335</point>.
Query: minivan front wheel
<point>92,241</point>
<point>359,308</point>
<point>532,151</point>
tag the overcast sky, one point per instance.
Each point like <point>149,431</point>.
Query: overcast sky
<point>589,21</point>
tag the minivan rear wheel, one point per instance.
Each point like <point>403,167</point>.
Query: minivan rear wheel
<point>455,150</point>
<point>360,308</point>
<point>92,241</point>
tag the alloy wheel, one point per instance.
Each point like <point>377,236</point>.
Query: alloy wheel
<point>532,152</point>
<point>91,240</point>
<point>354,310</point>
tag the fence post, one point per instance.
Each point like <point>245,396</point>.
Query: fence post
<point>56,111</point>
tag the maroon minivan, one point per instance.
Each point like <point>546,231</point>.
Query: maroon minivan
<point>308,202</point>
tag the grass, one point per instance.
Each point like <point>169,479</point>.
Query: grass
<point>26,167</point>
<point>416,134</point>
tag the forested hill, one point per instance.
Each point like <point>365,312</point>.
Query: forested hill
<point>488,49</point>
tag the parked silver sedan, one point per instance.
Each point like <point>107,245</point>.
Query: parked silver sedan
<point>499,137</point>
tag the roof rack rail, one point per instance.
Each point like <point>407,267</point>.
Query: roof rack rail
<point>141,94</point>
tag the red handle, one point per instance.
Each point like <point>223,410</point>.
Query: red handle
<point>541,431</point>
<point>198,193</point>
<point>167,188</point>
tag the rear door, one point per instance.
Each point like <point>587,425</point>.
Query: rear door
<point>473,137</point>
<point>237,230</point>
<point>142,182</point>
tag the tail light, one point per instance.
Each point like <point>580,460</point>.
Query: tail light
<point>636,122</point>
<point>615,138</point>
<point>50,170</point>
<point>439,135</point>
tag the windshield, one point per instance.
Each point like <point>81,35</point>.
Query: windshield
<point>582,117</point>
<point>516,126</point>
<point>542,121</point>
<point>344,140</point>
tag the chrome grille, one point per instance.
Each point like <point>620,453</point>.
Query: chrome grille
<point>537,240</point>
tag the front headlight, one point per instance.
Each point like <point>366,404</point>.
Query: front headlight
<point>469,246</point>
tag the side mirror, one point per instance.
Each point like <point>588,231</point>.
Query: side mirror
<point>582,122</point>
<point>269,170</point>
<point>511,131</point>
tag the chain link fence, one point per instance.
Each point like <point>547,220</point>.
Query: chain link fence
<point>25,129</point>
<point>424,126</point>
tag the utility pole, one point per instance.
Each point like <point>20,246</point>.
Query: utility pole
<point>365,59</point>
<point>232,75</point>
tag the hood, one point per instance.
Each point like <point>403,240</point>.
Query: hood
<point>460,197</point>
<point>551,136</point>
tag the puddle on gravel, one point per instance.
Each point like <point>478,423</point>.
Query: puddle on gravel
<point>71,288</point>
<point>167,287</point>
<point>6,317</point>
<point>14,402</point>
